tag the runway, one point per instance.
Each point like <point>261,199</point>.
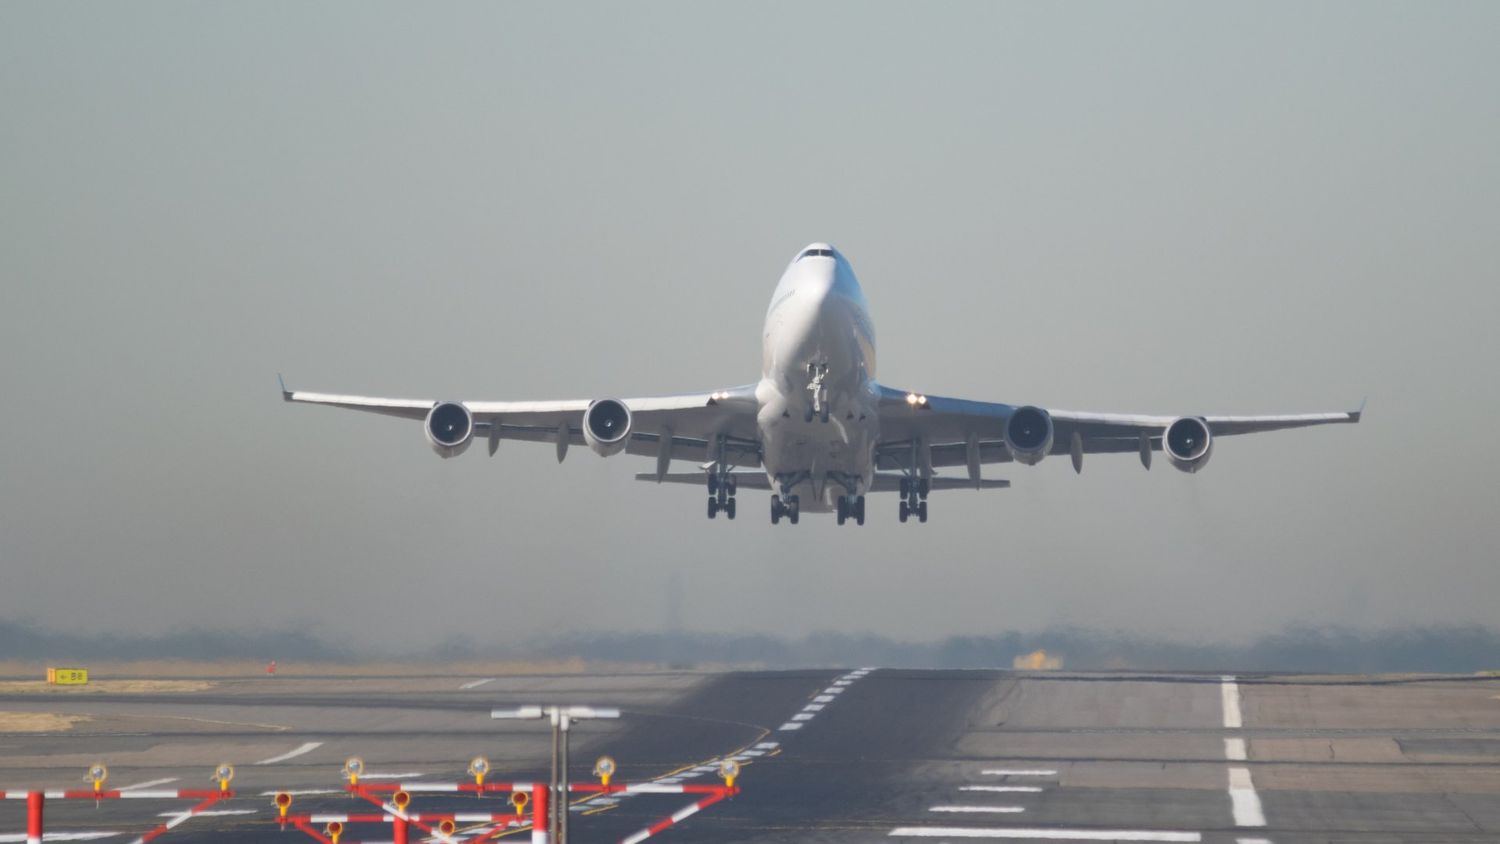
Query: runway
<point>829,755</point>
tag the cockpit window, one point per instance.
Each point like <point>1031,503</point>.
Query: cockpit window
<point>816,253</point>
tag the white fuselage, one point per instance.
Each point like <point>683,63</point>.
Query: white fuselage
<point>818,325</point>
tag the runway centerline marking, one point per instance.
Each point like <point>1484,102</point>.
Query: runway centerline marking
<point>1004,789</point>
<point>1018,772</point>
<point>1243,801</point>
<point>291,754</point>
<point>978,809</point>
<point>1048,833</point>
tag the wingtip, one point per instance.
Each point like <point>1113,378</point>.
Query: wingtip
<point>1360,412</point>
<point>286,395</point>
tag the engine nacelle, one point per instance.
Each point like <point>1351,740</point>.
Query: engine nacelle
<point>449,428</point>
<point>1188,443</point>
<point>606,426</point>
<point>1028,435</point>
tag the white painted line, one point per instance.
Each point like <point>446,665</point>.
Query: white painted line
<point>751,753</point>
<point>306,748</point>
<point>305,792</point>
<point>1246,803</point>
<point>474,684</point>
<point>705,769</point>
<point>803,716</point>
<point>823,699</point>
<point>211,813</point>
<point>1051,834</point>
<point>382,775</point>
<point>790,726</point>
<point>814,707</point>
<point>843,682</point>
<point>1252,841</point>
<point>62,836</point>
<point>978,809</point>
<point>1234,749</point>
<point>1230,689</point>
<point>1018,772</point>
<point>833,690</point>
<point>149,784</point>
<point>768,745</point>
<point>1023,789</point>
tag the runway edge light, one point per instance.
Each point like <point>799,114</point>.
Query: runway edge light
<point>353,767</point>
<point>519,799</point>
<point>729,769</point>
<point>98,774</point>
<point>283,802</point>
<point>478,768</point>
<point>333,830</point>
<point>604,768</point>
<point>401,800</point>
<point>224,775</point>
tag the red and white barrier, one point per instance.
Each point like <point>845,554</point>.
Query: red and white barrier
<point>36,806</point>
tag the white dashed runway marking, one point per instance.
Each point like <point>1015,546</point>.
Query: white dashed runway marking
<point>1024,789</point>
<point>474,684</point>
<point>1049,833</point>
<point>1243,800</point>
<point>1004,810</point>
<point>1018,772</point>
<point>306,748</point>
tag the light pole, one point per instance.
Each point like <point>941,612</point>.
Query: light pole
<point>562,718</point>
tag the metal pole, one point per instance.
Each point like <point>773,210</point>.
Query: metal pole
<point>552,783</point>
<point>34,803</point>
<point>562,809</point>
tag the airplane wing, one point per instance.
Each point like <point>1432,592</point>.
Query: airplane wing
<point>959,432</point>
<point>690,426</point>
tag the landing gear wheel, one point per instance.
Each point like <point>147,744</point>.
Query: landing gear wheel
<point>905,511</point>
<point>777,509</point>
<point>713,485</point>
<point>922,512</point>
<point>713,507</point>
<point>729,508</point>
<point>859,510</point>
<point>733,485</point>
<point>906,487</point>
<point>825,413</point>
<point>843,509</point>
<point>794,509</point>
<point>924,486</point>
<point>807,415</point>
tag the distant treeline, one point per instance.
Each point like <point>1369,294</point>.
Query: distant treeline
<point>1443,649</point>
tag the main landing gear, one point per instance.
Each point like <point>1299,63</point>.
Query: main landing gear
<point>790,507</point>
<point>721,495</point>
<point>914,498</point>
<point>851,507</point>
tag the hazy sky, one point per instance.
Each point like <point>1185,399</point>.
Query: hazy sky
<point>1134,207</point>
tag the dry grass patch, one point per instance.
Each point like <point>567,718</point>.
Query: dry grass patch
<point>105,687</point>
<point>39,722</point>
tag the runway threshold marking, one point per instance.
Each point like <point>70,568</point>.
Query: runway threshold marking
<point>1048,833</point>
<point>1244,802</point>
<point>292,754</point>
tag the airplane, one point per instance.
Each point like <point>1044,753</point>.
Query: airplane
<point>817,430</point>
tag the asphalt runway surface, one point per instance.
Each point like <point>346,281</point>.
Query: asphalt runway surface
<point>837,756</point>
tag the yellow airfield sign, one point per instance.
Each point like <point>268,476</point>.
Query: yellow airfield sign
<point>67,676</point>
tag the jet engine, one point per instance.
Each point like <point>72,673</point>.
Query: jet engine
<point>449,428</point>
<point>606,426</point>
<point>1188,443</point>
<point>1028,435</point>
